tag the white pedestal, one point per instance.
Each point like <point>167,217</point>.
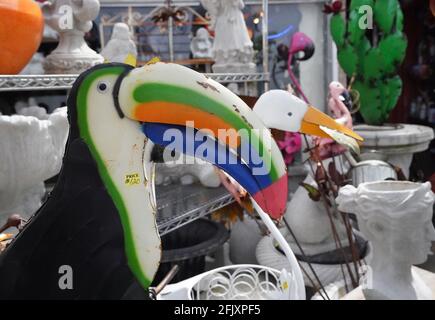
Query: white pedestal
<point>72,55</point>
<point>268,255</point>
<point>394,143</point>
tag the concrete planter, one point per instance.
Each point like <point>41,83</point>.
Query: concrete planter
<point>394,143</point>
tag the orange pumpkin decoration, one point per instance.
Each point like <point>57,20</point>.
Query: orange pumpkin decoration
<point>21,27</point>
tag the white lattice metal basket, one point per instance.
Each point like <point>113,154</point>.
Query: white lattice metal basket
<point>236,282</point>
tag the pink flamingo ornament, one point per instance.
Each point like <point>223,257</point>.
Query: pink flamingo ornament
<point>299,42</point>
<point>339,104</point>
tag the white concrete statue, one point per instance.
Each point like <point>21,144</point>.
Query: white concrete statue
<point>192,170</point>
<point>312,227</point>
<point>201,45</point>
<point>232,47</point>
<point>71,19</point>
<point>121,47</point>
<point>310,223</point>
<point>396,217</point>
<point>31,152</point>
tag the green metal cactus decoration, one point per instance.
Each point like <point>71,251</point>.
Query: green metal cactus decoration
<point>372,56</point>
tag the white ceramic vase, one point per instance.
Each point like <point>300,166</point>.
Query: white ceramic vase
<point>31,152</point>
<point>396,217</point>
<point>245,235</point>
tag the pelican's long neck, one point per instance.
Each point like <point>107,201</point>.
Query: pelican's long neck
<point>122,153</point>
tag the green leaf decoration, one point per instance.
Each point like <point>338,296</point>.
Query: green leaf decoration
<point>385,14</point>
<point>394,86</point>
<point>348,60</point>
<point>374,68</point>
<point>355,32</point>
<point>392,49</point>
<point>399,18</point>
<point>370,97</point>
<point>338,29</point>
<point>384,95</point>
<point>356,4</point>
<point>362,48</point>
<point>371,62</point>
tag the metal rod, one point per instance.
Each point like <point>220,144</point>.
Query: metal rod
<point>334,231</point>
<point>350,159</point>
<point>322,288</point>
<point>285,247</point>
<point>171,274</point>
<point>265,33</point>
<point>171,38</point>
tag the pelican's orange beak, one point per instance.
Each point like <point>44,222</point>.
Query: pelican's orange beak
<point>314,119</point>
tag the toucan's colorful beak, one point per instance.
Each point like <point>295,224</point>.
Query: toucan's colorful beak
<point>169,98</point>
<point>314,119</point>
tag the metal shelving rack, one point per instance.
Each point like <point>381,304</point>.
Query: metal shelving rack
<point>65,81</point>
<point>36,82</point>
<point>178,205</point>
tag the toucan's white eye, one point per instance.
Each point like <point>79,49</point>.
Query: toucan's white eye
<point>103,86</point>
<point>290,114</point>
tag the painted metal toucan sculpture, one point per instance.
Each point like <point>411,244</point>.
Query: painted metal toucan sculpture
<point>99,220</point>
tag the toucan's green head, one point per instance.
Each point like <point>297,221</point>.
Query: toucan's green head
<point>96,85</point>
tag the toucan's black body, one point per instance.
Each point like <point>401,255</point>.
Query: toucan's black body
<point>78,226</point>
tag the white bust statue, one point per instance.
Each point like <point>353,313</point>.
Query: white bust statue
<point>396,217</point>
<point>232,47</point>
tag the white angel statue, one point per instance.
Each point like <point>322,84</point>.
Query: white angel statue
<point>232,48</point>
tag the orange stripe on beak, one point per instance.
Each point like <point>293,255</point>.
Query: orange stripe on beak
<point>181,114</point>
